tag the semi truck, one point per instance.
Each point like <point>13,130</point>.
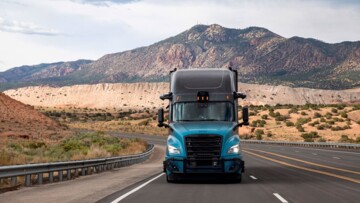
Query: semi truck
<point>203,124</point>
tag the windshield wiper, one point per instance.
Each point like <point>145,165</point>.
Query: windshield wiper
<point>186,120</point>
<point>210,120</point>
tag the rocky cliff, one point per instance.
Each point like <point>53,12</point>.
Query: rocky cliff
<point>146,95</point>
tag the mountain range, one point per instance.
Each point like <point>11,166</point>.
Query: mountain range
<point>259,55</point>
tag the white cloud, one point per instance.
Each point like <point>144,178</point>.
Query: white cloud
<point>94,29</point>
<point>104,2</point>
<point>25,28</point>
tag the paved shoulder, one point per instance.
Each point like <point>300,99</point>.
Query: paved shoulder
<point>89,188</point>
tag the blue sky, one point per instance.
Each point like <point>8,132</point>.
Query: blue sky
<point>44,31</point>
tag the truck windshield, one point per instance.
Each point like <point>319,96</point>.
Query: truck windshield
<point>195,111</point>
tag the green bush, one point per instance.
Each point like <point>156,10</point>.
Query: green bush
<point>259,133</point>
<point>303,113</point>
<point>281,118</point>
<point>302,121</point>
<point>328,115</point>
<point>317,115</point>
<point>265,116</point>
<point>300,128</point>
<point>344,138</point>
<point>321,139</point>
<point>309,137</point>
<point>343,114</point>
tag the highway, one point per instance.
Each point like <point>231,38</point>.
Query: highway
<point>273,174</point>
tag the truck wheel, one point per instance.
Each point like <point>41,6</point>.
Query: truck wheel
<point>170,178</point>
<point>238,178</point>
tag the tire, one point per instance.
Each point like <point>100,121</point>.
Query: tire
<point>237,178</point>
<point>172,178</point>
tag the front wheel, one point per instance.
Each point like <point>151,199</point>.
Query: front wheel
<point>237,178</point>
<point>172,178</point>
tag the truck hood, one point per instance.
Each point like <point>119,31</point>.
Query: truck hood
<point>202,127</point>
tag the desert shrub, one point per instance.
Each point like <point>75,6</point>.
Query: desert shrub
<point>303,113</point>
<point>336,128</point>
<point>346,127</point>
<point>348,122</point>
<point>331,122</point>
<point>317,115</point>
<point>302,121</point>
<point>321,139</point>
<point>334,110</point>
<point>321,127</point>
<point>328,115</point>
<point>357,140</point>
<point>341,106</point>
<point>293,110</point>
<point>322,120</point>
<point>289,123</point>
<point>358,122</point>
<point>253,124</point>
<point>309,137</point>
<point>300,128</point>
<point>343,114</point>
<point>269,134</point>
<point>345,138</point>
<point>281,118</point>
<point>259,133</point>
<point>308,140</point>
<point>265,116</point>
<point>246,136</point>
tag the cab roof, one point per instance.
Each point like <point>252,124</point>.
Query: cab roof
<point>190,81</point>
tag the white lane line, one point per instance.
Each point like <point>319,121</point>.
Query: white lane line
<point>335,157</point>
<point>253,177</point>
<point>280,198</point>
<point>314,154</point>
<point>135,189</point>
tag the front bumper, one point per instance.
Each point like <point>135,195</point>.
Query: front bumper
<point>224,165</point>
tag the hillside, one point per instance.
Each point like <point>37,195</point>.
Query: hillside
<point>146,95</point>
<point>260,56</point>
<point>20,120</point>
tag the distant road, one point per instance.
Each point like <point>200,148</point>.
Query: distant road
<point>273,174</point>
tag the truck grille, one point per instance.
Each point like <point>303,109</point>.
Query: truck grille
<point>203,150</point>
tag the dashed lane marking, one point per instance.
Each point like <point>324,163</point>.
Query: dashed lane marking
<point>282,200</point>
<point>304,168</point>
<point>310,163</point>
<point>253,177</point>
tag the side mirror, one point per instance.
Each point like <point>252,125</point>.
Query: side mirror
<point>245,115</point>
<point>161,118</point>
<point>240,95</point>
<point>166,96</point>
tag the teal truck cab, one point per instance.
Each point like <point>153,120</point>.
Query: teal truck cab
<point>203,124</point>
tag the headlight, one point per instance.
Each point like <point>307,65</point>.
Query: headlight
<point>234,149</point>
<point>173,150</point>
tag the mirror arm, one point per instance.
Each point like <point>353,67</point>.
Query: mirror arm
<point>240,125</point>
